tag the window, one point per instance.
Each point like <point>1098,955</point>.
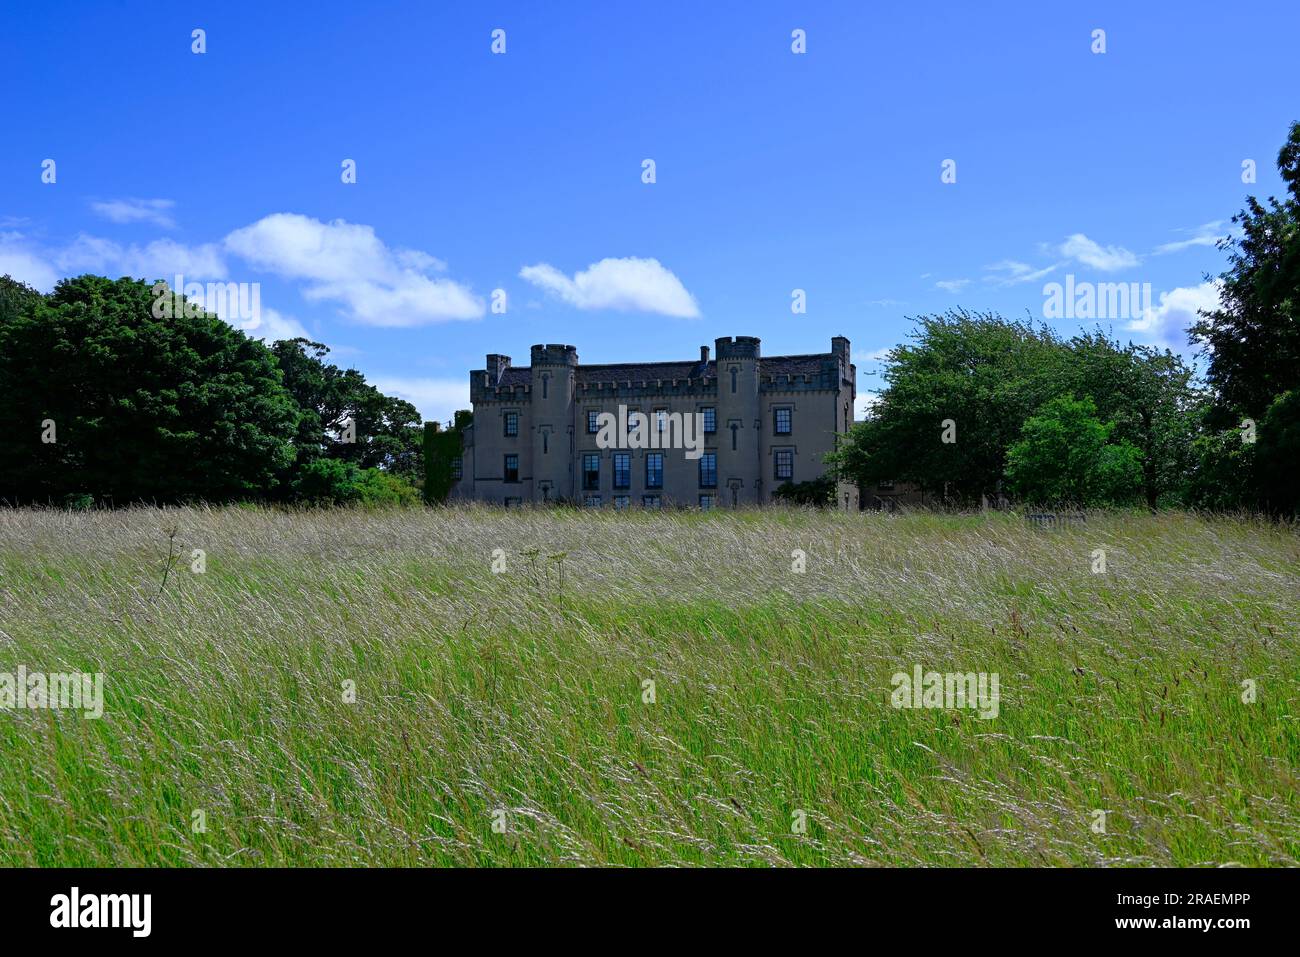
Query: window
<point>710,418</point>
<point>706,502</point>
<point>457,467</point>
<point>512,502</point>
<point>511,423</point>
<point>593,421</point>
<point>622,501</point>
<point>622,470</point>
<point>650,501</point>
<point>591,470</point>
<point>634,418</point>
<point>512,468</point>
<point>781,421</point>
<point>733,379</point>
<point>661,420</point>
<point>591,501</point>
<point>546,385</point>
<point>654,470</point>
<point>784,463</point>
<point>546,443</point>
<point>885,487</point>
<point>709,470</point>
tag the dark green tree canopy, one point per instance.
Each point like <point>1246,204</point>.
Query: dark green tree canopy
<point>103,398</point>
<point>1253,341</point>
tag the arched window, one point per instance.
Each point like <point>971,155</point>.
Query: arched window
<point>733,378</point>
<point>545,382</point>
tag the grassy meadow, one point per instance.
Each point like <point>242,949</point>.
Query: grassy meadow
<point>503,718</point>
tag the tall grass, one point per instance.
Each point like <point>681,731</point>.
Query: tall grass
<point>524,692</point>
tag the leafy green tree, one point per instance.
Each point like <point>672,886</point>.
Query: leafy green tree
<point>1253,341</point>
<point>16,299</point>
<point>1150,397</point>
<point>330,481</point>
<point>980,371</point>
<point>388,432</point>
<point>1277,456</point>
<point>103,398</point>
<point>1066,456</point>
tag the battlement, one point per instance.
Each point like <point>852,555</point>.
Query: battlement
<point>737,347</point>
<point>554,355</point>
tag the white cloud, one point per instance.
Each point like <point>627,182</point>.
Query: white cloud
<point>1206,234</point>
<point>347,263</point>
<point>272,325</point>
<point>1010,272</point>
<point>865,402</point>
<point>24,264</point>
<point>952,285</point>
<point>137,211</point>
<point>160,259</point>
<point>877,355</point>
<point>1106,258</point>
<point>630,284</point>
<point>437,399</point>
<point>1166,324</point>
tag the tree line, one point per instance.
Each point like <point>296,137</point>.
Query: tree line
<point>103,402</point>
<point>979,407</point>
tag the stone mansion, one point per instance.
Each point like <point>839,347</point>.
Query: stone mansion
<point>762,421</point>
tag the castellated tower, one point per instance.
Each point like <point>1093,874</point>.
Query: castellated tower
<point>554,374</point>
<point>739,468</point>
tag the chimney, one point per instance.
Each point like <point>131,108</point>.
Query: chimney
<point>496,365</point>
<point>704,355</point>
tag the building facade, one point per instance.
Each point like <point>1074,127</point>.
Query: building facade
<point>536,432</point>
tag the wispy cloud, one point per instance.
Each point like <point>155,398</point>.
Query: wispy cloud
<point>629,284</point>
<point>155,211</point>
<point>23,262</point>
<point>1106,258</point>
<point>1207,234</point>
<point>1011,272</point>
<point>952,285</point>
<point>876,355</point>
<point>160,259</point>
<point>348,264</point>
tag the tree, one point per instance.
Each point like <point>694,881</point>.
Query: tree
<point>1149,396</point>
<point>327,481</point>
<point>978,372</point>
<point>334,402</point>
<point>1253,340</point>
<point>1278,454</point>
<point>103,397</point>
<point>1066,456</point>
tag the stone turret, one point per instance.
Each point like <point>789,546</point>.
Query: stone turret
<point>554,375</point>
<point>738,420</point>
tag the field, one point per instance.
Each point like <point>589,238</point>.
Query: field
<point>649,689</point>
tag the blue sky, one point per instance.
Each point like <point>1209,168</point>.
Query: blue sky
<point>523,171</point>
